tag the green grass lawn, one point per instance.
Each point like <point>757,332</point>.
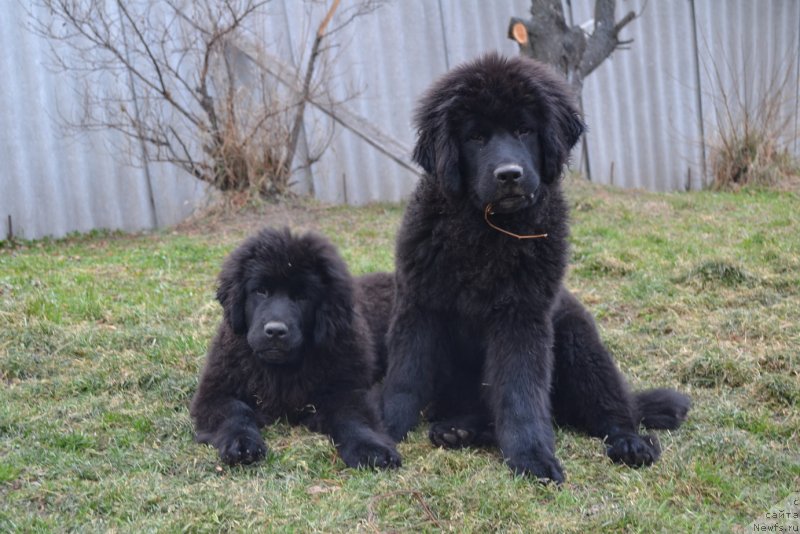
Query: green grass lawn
<point>102,338</point>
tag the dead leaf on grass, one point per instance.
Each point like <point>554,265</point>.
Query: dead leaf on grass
<point>318,489</point>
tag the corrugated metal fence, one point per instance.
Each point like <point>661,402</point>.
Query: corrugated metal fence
<point>649,109</point>
<point>52,184</point>
<point>652,110</point>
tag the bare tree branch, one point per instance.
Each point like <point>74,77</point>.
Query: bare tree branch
<point>604,39</point>
<point>312,60</point>
<point>180,83</point>
<point>547,37</point>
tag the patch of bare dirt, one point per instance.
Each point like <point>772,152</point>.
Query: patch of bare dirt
<point>229,216</point>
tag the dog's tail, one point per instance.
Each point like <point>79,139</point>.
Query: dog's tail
<point>661,409</point>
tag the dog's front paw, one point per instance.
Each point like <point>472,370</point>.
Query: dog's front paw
<point>244,447</point>
<point>544,467</point>
<point>633,450</point>
<point>370,453</point>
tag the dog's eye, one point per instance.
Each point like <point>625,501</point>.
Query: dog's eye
<point>522,130</point>
<point>262,293</point>
<point>477,137</point>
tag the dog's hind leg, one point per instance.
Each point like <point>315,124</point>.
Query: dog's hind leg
<point>663,409</point>
<point>590,394</point>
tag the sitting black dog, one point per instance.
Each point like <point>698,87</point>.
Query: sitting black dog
<point>484,336</point>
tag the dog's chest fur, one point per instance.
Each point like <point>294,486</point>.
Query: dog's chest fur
<point>452,257</point>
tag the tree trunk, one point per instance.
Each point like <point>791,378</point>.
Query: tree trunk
<point>547,37</point>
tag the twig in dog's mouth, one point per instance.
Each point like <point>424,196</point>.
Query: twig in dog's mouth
<point>488,211</point>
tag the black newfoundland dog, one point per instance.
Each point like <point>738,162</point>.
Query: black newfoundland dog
<point>295,343</point>
<point>484,337</point>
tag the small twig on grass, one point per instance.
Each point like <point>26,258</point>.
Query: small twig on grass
<point>414,493</point>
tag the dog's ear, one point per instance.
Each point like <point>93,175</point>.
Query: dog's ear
<point>231,292</point>
<point>424,151</point>
<point>564,128</point>
<point>436,150</point>
<point>334,315</point>
<point>447,170</point>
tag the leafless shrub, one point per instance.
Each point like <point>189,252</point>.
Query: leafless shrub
<point>184,82</point>
<point>754,114</point>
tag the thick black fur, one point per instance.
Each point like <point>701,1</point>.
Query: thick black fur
<point>484,337</point>
<point>294,343</point>
<point>375,292</point>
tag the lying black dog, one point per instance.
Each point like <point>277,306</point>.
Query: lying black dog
<point>294,343</point>
<point>483,333</point>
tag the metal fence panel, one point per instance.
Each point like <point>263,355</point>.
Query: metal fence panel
<point>747,49</point>
<point>650,109</point>
<point>644,127</point>
<point>52,184</point>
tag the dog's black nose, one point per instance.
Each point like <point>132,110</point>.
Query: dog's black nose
<point>508,173</point>
<point>276,330</point>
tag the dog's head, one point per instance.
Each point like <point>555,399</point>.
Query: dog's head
<point>286,294</point>
<point>496,129</point>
